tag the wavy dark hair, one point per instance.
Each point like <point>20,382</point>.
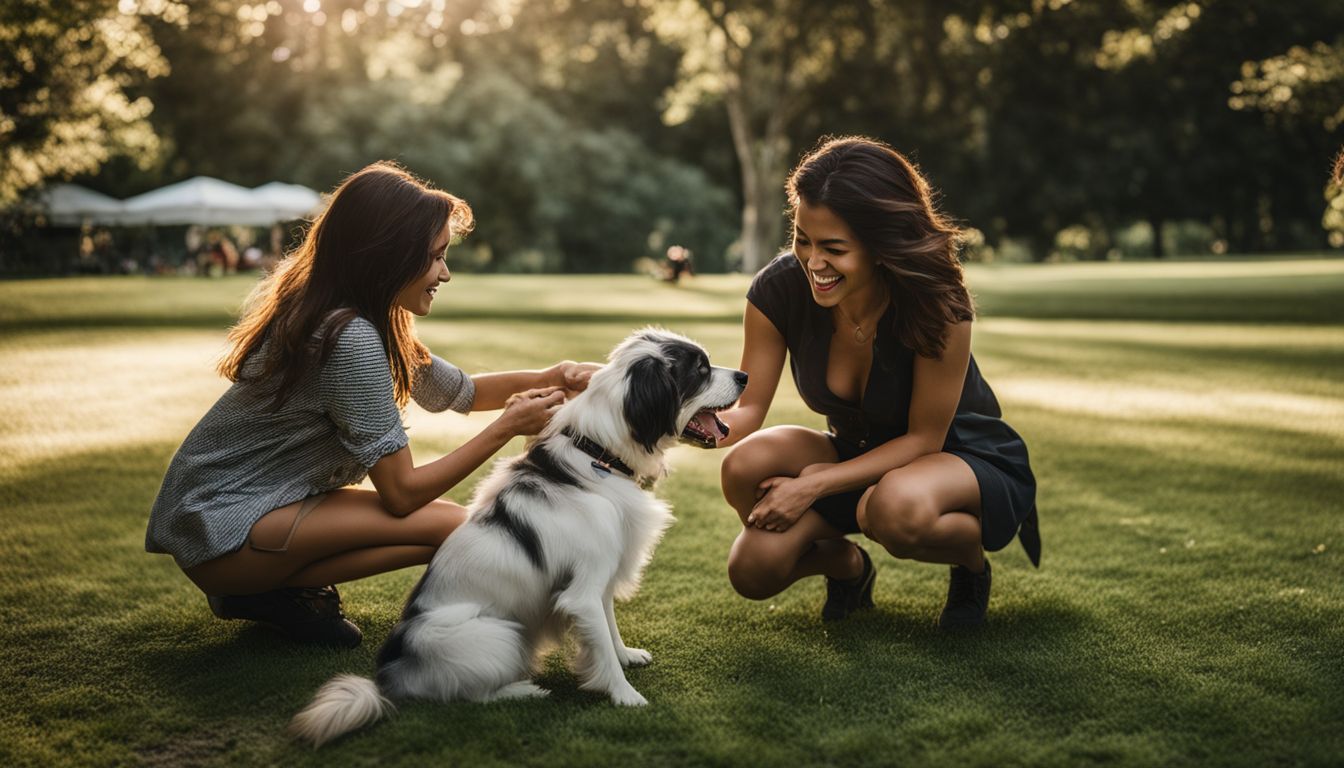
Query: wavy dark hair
<point>371,241</point>
<point>890,206</point>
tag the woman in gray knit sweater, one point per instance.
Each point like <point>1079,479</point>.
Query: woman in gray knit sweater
<point>255,506</point>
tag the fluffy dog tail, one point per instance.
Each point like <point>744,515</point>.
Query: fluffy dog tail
<point>346,703</point>
<point>467,656</point>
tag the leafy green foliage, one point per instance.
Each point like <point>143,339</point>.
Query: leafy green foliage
<point>67,72</point>
<point>591,134</point>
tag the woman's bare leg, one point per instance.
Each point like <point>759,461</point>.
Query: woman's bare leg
<point>928,511</point>
<point>348,535</point>
<point>763,563</point>
<point>360,563</point>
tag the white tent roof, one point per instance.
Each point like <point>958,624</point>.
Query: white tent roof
<point>72,205</point>
<point>201,200</point>
<point>290,201</point>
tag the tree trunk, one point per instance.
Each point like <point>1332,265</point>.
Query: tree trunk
<point>762,162</point>
<point>1159,248</point>
<point>762,216</point>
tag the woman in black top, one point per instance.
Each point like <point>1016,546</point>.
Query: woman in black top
<point>875,317</point>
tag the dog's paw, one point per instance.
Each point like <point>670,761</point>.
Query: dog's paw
<point>635,657</point>
<point>627,696</point>
<point>523,689</point>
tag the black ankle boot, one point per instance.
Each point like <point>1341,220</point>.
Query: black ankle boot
<point>845,596</point>
<point>304,614</point>
<point>967,598</point>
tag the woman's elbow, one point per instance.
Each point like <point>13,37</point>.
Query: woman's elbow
<point>397,504</point>
<point>927,445</point>
<point>433,403</point>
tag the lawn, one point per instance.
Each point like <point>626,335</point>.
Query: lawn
<point>1186,423</point>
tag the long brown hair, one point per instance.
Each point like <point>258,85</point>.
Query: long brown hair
<point>889,205</point>
<point>372,240</point>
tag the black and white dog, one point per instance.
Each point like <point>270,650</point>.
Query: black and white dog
<point>552,537</point>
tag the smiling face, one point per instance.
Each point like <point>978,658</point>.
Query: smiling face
<point>837,266</point>
<point>418,295</point>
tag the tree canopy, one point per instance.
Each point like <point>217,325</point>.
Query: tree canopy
<point>590,133</point>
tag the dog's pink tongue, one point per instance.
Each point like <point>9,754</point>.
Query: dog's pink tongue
<point>711,424</point>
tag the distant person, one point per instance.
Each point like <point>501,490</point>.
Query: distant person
<point>871,308</point>
<point>255,507</point>
<point>678,263</point>
<point>219,256</point>
<point>210,259</point>
<point>251,258</point>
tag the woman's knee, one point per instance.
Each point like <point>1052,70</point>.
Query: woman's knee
<point>897,516</point>
<point>745,464</point>
<point>780,450</point>
<point>753,573</point>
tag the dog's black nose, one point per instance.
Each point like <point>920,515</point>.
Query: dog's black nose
<point>740,377</point>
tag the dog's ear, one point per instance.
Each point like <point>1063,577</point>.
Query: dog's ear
<point>650,402</point>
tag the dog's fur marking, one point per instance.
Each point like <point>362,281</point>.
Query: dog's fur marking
<point>563,578</point>
<point>689,367</point>
<point>392,649</point>
<point>411,610</point>
<point>651,402</point>
<point>525,535</point>
<point>539,461</point>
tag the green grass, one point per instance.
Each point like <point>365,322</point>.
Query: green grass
<point>1186,423</point>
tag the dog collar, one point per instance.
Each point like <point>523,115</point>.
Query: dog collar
<point>602,458</point>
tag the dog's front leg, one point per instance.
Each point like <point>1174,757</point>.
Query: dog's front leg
<point>630,657</point>
<point>600,668</point>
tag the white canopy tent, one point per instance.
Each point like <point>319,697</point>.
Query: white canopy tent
<point>70,205</point>
<point>289,201</point>
<point>201,200</point>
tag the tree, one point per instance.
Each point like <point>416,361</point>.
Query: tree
<point>67,70</point>
<point>519,110</point>
<point>766,60</point>
<point>1301,93</point>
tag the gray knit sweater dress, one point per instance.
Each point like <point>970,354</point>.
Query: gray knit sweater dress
<point>243,459</point>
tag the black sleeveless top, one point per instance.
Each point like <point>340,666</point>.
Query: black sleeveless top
<point>978,434</point>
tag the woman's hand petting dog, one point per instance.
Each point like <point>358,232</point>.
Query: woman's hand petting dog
<point>572,377</point>
<point>527,413</point>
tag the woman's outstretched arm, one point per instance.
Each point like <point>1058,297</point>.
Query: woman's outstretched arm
<point>404,487</point>
<point>763,351</point>
<point>494,389</point>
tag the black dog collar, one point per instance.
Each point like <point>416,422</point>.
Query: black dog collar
<point>603,459</point>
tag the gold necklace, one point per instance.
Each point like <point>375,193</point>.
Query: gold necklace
<point>859,338</point>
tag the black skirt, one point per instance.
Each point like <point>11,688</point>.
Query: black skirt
<point>998,457</point>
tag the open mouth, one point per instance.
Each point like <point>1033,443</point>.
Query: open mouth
<point>705,429</point>
<point>824,283</point>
